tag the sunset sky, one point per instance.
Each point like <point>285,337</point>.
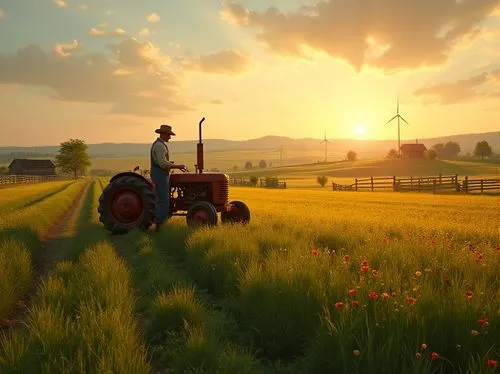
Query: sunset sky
<point>114,70</point>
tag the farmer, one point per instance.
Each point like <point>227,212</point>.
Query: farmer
<point>160,170</point>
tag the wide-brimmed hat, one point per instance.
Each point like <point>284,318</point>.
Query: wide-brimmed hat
<point>165,129</point>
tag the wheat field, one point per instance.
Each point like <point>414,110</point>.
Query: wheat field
<point>318,282</point>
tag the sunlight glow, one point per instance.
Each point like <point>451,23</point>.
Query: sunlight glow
<point>360,129</point>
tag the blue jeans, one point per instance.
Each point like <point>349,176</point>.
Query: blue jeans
<point>161,181</point>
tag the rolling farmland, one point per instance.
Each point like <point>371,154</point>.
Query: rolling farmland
<point>318,282</point>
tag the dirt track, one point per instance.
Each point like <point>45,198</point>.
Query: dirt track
<point>53,249</point>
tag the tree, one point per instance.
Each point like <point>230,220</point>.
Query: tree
<point>352,156</point>
<point>439,148</point>
<point>431,154</point>
<point>73,157</point>
<point>322,180</point>
<point>248,165</point>
<point>392,155</point>
<point>483,149</point>
<point>451,149</point>
<point>262,164</point>
<point>253,180</point>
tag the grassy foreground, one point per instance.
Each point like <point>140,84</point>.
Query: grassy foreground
<point>318,282</point>
<point>354,283</point>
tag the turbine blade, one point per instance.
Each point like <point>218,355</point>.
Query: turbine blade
<point>404,120</point>
<point>393,118</point>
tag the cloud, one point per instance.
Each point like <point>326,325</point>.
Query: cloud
<point>391,35</point>
<point>153,18</point>
<point>216,102</point>
<point>462,90</point>
<point>83,7</point>
<point>62,50</point>
<point>229,62</point>
<point>144,32</point>
<point>60,3</point>
<point>135,79</point>
<point>97,32</point>
<point>2,13</point>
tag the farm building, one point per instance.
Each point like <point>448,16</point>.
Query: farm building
<point>23,166</point>
<point>413,150</point>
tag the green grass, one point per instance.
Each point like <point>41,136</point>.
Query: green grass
<point>83,319</point>
<point>318,282</point>
<point>21,235</point>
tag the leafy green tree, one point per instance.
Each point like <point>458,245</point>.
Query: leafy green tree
<point>248,165</point>
<point>73,157</point>
<point>322,180</point>
<point>451,149</point>
<point>439,148</point>
<point>431,154</point>
<point>483,149</point>
<point>262,164</point>
<point>392,155</point>
<point>352,156</point>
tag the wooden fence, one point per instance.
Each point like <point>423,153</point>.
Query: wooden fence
<point>269,182</point>
<point>6,179</point>
<point>434,184</point>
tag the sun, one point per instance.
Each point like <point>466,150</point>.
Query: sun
<point>360,129</point>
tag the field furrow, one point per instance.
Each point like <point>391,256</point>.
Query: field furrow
<point>20,197</point>
<point>82,319</point>
<point>22,234</point>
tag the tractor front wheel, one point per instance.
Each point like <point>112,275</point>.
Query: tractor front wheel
<point>127,203</point>
<point>238,212</point>
<point>201,213</point>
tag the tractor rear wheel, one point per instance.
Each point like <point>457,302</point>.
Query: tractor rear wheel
<point>239,213</point>
<point>201,213</point>
<point>126,204</point>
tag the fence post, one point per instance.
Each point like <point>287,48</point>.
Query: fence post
<point>356,184</point>
<point>372,183</point>
<point>394,183</point>
<point>466,184</point>
<point>433,186</point>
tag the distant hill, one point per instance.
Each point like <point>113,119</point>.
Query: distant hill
<point>364,148</point>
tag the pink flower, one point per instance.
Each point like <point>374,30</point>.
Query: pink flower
<point>339,305</point>
<point>353,292</point>
<point>492,363</point>
<point>434,355</point>
<point>372,295</point>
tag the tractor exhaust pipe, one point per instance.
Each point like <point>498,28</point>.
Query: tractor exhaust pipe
<point>199,151</point>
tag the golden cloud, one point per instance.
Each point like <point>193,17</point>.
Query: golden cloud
<point>229,62</point>
<point>462,90</point>
<point>60,3</point>
<point>153,18</point>
<point>63,50</point>
<point>390,35</point>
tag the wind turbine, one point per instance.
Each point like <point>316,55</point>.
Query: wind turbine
<point>326,141</point>
<point>398,116</point>
<point>281,150</point>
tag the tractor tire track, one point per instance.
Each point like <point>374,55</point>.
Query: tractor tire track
<point>52,250</point>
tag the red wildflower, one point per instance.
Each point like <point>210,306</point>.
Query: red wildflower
<point>372,295</point>
<point>339,305</point>
<point>492,363</point>
<point>347,258</point>
<point>393,294</point>
<point>434,355</point>
<point>355,303</point>
<point>315,252</point>
<point>375,273</point>
<point>483,321</point>
<point>353,292</point>
<point>364,269</point>
<point>385,295</point>
<point>447,282</point>
<point>364,263</point>
<point>411,300</point>
<point>469,294</point>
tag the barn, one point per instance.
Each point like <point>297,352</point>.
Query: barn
<point>415,150</point>
<point>23,166</point>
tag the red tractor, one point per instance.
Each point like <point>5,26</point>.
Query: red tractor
<point>129,200</point>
